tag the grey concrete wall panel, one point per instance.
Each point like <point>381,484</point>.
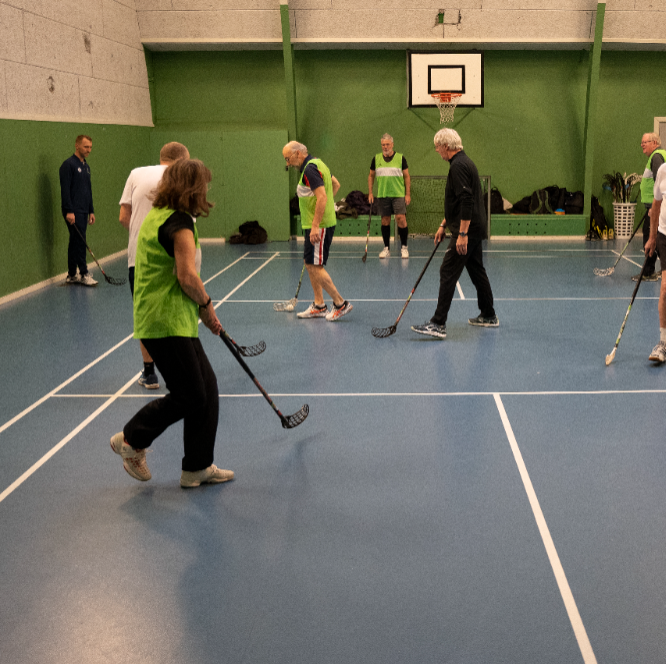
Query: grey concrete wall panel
<point>128,3</point>
<point>74,13</point>
<point>12,44</point>
<point>116,62</point>
<point>216,5</point>
<point>102,101</point>
<point>522,25</point>
<point>56,46</point>
<point>635,25</point>
<point>366,24</point>
<point>653,5</point>
<point>3,88</point>
<point>120,24</point>
<point>432,6</point>
<point>570,5</point>
<point>213,25</point>
<point>621,5</point>
<point>153,5</point>
<point>41,93</point>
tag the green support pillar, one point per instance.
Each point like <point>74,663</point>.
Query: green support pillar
<point>591,106</point>
<point>290,81</point>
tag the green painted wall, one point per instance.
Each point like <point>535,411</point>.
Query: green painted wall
<point>529,134</point>
<point>35,236</point>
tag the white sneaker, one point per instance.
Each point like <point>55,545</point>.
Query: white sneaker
<point>313,311</point>
<point>659,353</point>
<point>134,460</point>
<point>211,474</point>
<point>404,252</point>
<point>385,253</point>
<point>72,279</point>
<point>88,280</point>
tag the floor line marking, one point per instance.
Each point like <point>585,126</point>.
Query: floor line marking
<point>52,393</point>
<point>567,596</point>
<point>433,394</point>
<point>47,456</point>
<point>624,256</point>
<point>226,268</point>
<point>460,291</point>
<point>432,300</point>
<point>250,276</point>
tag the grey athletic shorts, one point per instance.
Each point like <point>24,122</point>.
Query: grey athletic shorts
<point>387,206</point>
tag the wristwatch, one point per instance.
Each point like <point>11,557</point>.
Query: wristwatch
<point>463,234</point>
<point>206,304</point>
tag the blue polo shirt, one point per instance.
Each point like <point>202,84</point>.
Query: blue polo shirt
<point>75,187</point>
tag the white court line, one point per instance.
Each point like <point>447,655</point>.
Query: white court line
<point>421,394</point>
<point>560,576</point>
<point>47,456</point>
<point>251,275</point>
<point>460,291</point>
<point>627,259</point>
<point>50,394</point>
<point>434,300</point>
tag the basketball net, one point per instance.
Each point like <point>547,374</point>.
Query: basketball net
<point>446,103</point>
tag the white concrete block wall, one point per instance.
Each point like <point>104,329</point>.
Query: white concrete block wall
<point>483,22</point>
<point>73,61</point>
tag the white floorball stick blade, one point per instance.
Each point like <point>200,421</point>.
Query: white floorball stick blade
<point>610,357</point>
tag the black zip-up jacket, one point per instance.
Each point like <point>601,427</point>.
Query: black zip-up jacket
<point>464,198</point>
<point>75,187</point>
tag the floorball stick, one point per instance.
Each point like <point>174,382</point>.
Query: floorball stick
<point>288,306</point>
<point>390,330</point>
<point>287,421</point>
<point>367,238</point>
<point>111,280</point>
<point>604,272</point>
<point>611,356</point>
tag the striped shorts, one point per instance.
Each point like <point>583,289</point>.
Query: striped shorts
<point>317,255</point>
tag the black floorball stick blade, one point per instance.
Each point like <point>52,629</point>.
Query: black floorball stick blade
<point>116,282</point>
<point>252,350</point>
<point>384,332</point>
<point>365,256</point>
<point>295,419</point>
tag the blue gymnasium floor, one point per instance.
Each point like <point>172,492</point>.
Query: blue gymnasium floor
<point>495,497</point>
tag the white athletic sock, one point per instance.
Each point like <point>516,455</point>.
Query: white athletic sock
<point>662,337</point>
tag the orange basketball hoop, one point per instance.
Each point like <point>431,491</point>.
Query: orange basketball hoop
<point>446,103</point>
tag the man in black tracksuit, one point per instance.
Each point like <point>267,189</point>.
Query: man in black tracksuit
<point>465,216</point>
<point>77,209</point>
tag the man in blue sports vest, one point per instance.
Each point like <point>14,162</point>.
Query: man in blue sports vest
<point>393,193</point>
<point>651,146</point>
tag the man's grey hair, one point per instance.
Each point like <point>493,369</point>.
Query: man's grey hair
<point>449,138</point>
<point>387,137</point>
<point>653,137</point>
<point>296,147</point>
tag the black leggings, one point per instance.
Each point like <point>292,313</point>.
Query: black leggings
<point>450,272</point>
<point>193,396</point>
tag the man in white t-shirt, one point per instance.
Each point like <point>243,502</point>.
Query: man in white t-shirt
<point>135,204</point>
<point>657,242</point>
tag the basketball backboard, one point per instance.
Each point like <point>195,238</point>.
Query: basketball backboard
<point>431,72</point>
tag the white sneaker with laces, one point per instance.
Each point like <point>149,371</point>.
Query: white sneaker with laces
<point>212,474</point>
<point>312,312</point>
<point>659,353</point>
<point>337,313</point>
<point>134,460</point>
<point>385,253</point>
<point>404,252</point>
<point>88,280</point>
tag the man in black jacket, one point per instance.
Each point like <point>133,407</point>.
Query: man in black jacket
<point>465,215</point>
<point>77,209</point>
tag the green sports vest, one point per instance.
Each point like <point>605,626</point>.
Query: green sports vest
<point>647,184</point>
<point>161,308</point>
<point>307,201</point>
<point>390,180</point>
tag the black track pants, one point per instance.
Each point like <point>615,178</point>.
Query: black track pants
<point>76,250</point>
<point>450,272</point>
<point>193,396</point>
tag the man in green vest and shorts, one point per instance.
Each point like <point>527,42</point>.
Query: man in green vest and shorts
<point>393,193</point>
<point>316,189</point>
<point>651,146</point>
